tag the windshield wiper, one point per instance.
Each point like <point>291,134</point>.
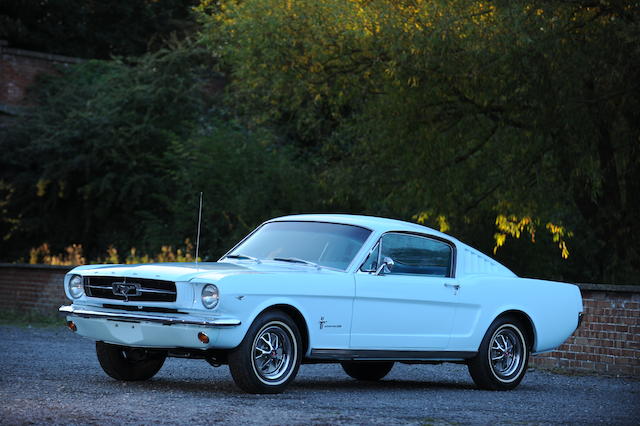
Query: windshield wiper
<point>241,256</point>
<point>297,260</point>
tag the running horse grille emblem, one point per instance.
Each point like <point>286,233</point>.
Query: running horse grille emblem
<point>126,289</point>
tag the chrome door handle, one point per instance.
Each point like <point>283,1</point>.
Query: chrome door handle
<point>455,287</point>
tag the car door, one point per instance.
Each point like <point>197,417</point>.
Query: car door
<point>411,306</point>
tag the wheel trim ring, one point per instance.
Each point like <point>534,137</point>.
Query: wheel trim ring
<point>522,356</point>
<point>287,369</point>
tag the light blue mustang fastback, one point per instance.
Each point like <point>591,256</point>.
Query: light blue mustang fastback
<point>362,291</point>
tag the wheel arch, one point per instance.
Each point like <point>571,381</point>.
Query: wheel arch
<point>297,318</point>
<point>529,330</point>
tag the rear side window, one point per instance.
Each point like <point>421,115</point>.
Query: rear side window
<point>417,255</point>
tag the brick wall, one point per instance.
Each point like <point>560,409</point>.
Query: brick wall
<point>19,69</point>
<point>32,288</point>
<point>608,340</point>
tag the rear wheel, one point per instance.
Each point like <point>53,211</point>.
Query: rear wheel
<point>502,360</point>
<point>268,358</point>
<point>367,370</point>
<point>130,364</point>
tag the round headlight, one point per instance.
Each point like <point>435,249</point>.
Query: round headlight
<point>75,286</point>
<point>209,296</point>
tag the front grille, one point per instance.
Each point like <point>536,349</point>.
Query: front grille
<point>133,308</point>
<point>139,289</point>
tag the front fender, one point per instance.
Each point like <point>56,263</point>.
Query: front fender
<point>231,338</point>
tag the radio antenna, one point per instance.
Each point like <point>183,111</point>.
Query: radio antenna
<point>199,222</point>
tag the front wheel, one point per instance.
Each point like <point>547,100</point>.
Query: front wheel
<point>502,360</point>
<point>269,356</point>
<point>129,364</point>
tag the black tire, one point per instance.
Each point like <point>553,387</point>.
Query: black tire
<point>502,359</point>
<point>367,370</point>
<point>129,364</point>
<point>268,357</point>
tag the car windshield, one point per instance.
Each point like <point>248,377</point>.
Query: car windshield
<point>314,243</point>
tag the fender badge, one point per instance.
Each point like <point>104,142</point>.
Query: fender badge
<point>322,322</point>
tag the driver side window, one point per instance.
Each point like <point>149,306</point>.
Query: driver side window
<point>416,255</point>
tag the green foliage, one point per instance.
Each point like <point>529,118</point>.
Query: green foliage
<point>245,179</point>
<point>93,28</point>
<point>117,152</point>
<point>512,125</point>
<point>464,109</point>
<point>90,155</point>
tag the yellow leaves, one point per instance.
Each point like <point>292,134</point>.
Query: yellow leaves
<point>390,69</point>
<point>41,187</point>
<point>42,254</point>
<point>442,223</point>
<point>112,255</point>
<point>558,233</point>
<point>73,255</point>
<point>512,226</point>
<point>316,67</point>
<point>500,238</point>
<point>440,220</point>
<point>421,217</point>
<point>43,184</point>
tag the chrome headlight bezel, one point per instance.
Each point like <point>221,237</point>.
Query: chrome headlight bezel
<point>210,296</point>
<point>75,286</point>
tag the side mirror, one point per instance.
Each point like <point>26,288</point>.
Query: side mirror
<point>387,265</point>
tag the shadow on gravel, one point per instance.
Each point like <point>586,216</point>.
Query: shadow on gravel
<point>199,387</point>
<point>383,385</point>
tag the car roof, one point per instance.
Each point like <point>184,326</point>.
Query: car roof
<point>377,224</point>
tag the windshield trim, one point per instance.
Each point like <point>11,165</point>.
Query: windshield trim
<point>347,269</point>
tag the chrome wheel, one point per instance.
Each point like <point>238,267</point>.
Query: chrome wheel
<point>268,357</point>
<point>506,353</point>
<point>273,353</point>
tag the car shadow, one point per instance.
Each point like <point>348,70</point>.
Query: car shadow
<point>382,385</point>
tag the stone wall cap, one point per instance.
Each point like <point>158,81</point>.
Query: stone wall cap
<point>583,286</point>
<point>36,266</point>
<point>39,55</point>
<point>620,288</point>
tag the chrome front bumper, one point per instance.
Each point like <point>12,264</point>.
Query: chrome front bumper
<point>153,330</point>
<point>144,317</point>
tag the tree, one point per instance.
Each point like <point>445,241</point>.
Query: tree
<point>522,111</point>
<point>115,153</point>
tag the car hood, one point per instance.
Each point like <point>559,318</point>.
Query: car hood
<point>189,271</point>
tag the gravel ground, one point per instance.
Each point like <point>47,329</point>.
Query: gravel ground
<point>49,375</point>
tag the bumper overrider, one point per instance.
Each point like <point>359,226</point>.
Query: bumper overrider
<point>148,330</point>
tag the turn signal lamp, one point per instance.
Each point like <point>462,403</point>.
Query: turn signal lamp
<point>203,337</point>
